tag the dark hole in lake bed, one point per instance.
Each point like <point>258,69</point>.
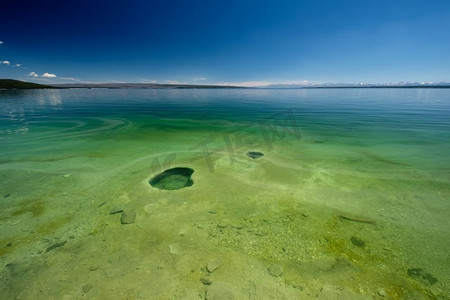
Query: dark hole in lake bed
<point>173,179</point>
<point>255,154</point>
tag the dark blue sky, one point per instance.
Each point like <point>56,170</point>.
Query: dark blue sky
<point>226,41</point>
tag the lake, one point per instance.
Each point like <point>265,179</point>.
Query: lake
<point>349,199</point>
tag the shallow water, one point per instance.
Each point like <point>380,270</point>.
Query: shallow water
<point>350,198</point>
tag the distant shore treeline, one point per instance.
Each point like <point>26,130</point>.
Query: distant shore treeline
<point>17,84</point>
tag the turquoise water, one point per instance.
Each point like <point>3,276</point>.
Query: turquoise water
<point>349,200</point>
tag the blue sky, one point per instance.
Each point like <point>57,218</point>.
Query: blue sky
<point>243,42</point>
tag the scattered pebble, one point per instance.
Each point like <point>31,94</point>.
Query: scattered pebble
<point>93,268</point>
<point>199,226</point>
<point>116,210</point>
<point>87,288</point>
<point>238,226</point>
<point>275,270</point>
<point>213,265</point>
<point>66,175</point>
<point>174,248</point>
<point>205,281</point>
<point>128,217</point>
<point>382,292</point>
<point>357,242</point>
<point>56,245</point>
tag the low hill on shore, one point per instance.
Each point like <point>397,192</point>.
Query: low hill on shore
<point>17,84</point>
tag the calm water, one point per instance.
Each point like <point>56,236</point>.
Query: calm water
<point>350,200</point>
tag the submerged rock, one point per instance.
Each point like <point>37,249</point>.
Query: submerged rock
<point>422,276</point>
<point>357,242</point>
<point>205,281</point>
<point>213,265</point>
<point>55,245</point>
<point>255,154</point>
<point>87,287</point>
<point>222,225</point>
<point>275,270</point>
<point>238,225</point>
<point>116,210</point>
<point>128,217</point>
<point>173,179</point>
<point>174,248</point>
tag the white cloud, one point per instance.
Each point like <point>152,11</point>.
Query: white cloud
<point>175,82</point>
<point>5,62</point>
<point>1,42</point>
<point>200,78</point>
<point>49,75</point>
<point>144,80</point>
<point>33,74</point>
<point>71,78</point>
<point>17,65</point>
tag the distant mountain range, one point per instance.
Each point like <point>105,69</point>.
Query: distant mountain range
<point>401,84</point>
<point>16,84</point>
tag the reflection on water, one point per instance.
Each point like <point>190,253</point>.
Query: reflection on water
<point>349,200</point>
<point>50,98</point>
